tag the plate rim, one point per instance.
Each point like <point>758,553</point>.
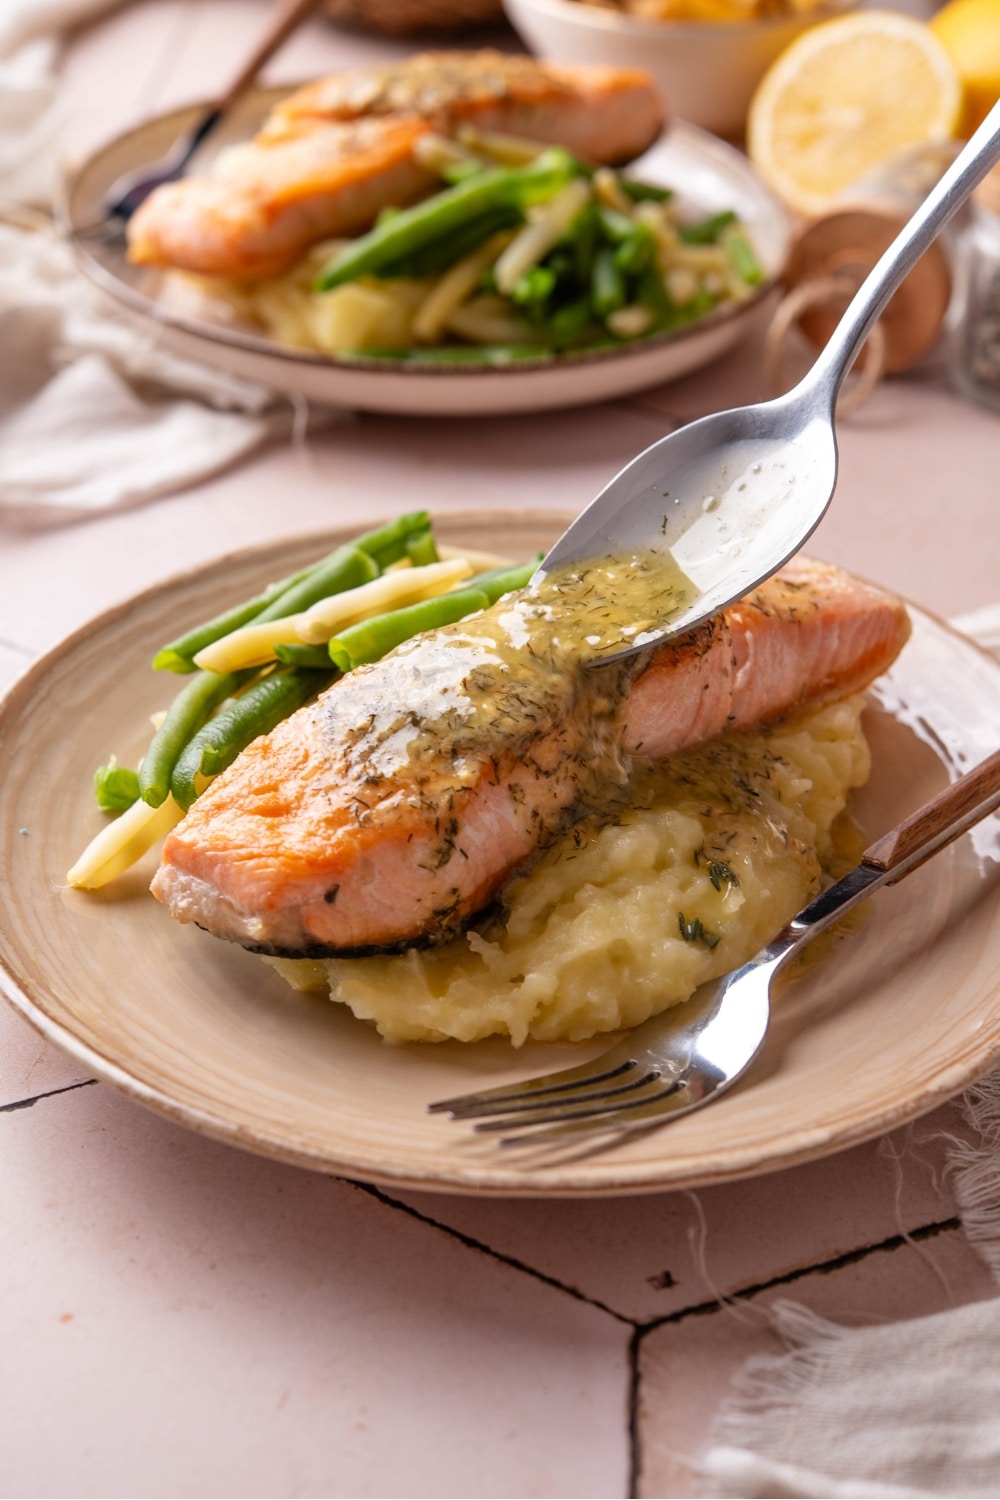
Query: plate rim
<point>634,1176</point>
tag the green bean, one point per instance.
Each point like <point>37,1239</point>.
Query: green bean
<point>614,226</point>
<point>439,217</point>
<point>388,543</point>
<point>115,787</point>
<point>384,545</point>
<point>460,171</point>
<point>583,242</point>
<point>534,287</point>
<point>372,639</point>
<point>345,568</point>
<point>744,261</point>
<point>496,582</point>
<point>644,192</point>
<point>436,257</point>
<point>193,705</point>
<point>176,655</point>
<point>654,295</point>
<point>294,654</point>
<point>637,251</point>
<point>217,744</point>
<point>707,231</point>
<point>568,324</point>
<point>607,283</point>
<point>422,550</point>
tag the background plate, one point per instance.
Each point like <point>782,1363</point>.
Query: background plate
<point>900,1015</point>
<point>707,174</point>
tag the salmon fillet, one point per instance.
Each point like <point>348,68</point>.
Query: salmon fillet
<point>339,150</point>
<point>390,810</point>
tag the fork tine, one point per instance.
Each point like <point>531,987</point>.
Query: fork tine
<point>603,1086</point>
<point>611,1064</point>
<point>651,1087</point>
<point>626,1117</point>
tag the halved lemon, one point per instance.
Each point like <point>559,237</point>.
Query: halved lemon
<point>969,31</point>
<point>844,98</point>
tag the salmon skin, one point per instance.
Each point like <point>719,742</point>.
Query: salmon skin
<point>389,812</point>
<point>336,152</point>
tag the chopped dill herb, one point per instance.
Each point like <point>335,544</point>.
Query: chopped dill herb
<point>718,872</point>
<point>694,932</point>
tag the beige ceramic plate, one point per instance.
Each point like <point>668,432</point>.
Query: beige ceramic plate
<point>707,175</point>
<point>901,1015</point>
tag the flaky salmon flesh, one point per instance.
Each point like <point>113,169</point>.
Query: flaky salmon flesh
<point>336,152</point>
<point>392,809</point>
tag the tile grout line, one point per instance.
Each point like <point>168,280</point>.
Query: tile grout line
<point>472,1243</point>
<point>632,1413</point>
<point>821,1268</point>
<point>8,1109</point>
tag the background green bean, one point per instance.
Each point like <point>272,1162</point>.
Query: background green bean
<point>448,212</point>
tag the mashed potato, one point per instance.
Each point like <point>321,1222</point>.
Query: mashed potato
<point>713,851</point>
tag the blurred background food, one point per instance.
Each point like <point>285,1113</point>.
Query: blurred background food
<point>707,67</point>
<point>708,10</point>
<point>846,97</point>
<point>969,31</point>
<point>414,17</point>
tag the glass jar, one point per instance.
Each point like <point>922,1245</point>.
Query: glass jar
<point>976,329</point>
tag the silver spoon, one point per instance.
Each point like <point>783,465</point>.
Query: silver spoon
<point>126,195</point>
<point>734,495</point>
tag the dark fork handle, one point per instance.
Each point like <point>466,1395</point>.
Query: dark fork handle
<point>287,15</point>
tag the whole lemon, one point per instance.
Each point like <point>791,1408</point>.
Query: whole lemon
<point>969,31</point>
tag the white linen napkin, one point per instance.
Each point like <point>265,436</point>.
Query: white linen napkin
<point>29,105</point>
<point>95,414</point>
<point>905,1408</point>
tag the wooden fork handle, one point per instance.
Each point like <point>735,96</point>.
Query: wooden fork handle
<point>949,814</point>
<point>286,16</point>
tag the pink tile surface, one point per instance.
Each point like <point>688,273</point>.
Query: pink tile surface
<point>188,1320</point>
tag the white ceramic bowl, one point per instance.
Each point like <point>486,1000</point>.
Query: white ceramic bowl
<point>706,70</point>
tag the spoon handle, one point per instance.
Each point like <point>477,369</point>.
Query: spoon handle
<point>286,16</point>
<point>947,196</point>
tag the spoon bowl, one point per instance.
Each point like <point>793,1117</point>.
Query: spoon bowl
<point>730,498</point>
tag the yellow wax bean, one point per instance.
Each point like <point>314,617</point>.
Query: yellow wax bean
<point>124,841</point>
<point>391,591</point>
<point>250,646</point>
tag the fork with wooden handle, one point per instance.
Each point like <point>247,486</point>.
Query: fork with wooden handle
<point>691,1053</point>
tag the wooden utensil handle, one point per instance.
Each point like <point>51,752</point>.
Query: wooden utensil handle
<point>939,821</point>
<point>287,15</point>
